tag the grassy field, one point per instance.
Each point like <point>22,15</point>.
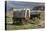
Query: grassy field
<point>10,26</point>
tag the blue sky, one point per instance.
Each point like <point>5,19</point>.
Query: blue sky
<point>19,4</point>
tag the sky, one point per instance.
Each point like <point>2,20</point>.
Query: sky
<point>21,4</point>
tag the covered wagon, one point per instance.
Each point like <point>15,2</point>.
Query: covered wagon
<point>21,16</point>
